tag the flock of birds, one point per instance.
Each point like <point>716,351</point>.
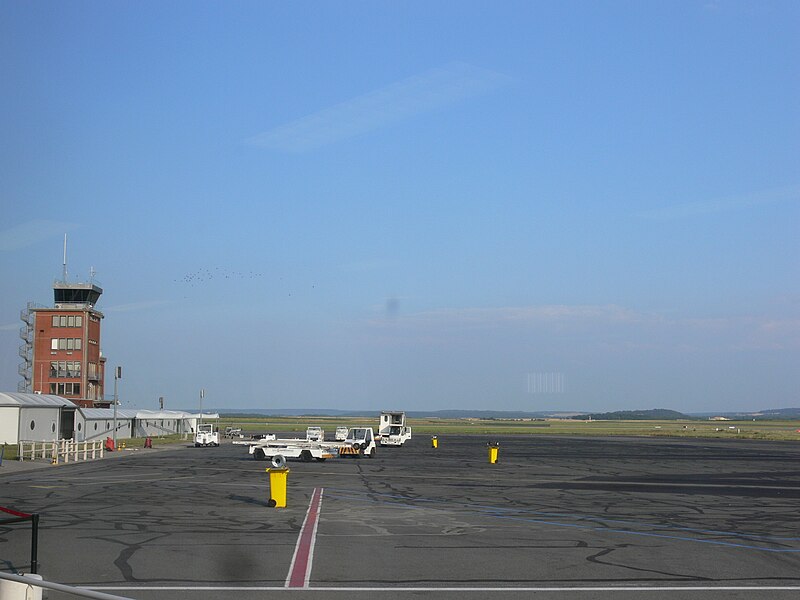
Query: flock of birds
<point>205,276</point>
<point>218,273</point>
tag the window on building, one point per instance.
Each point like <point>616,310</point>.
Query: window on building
<point>63,321</point>
<point>71,321</point>
<point>66,343</point>
<point>67,389</point>
<point>79,321</point>
<point>53,389</point>
<point>33,425</point>
<point>55,320</point>
<point>54,369</point>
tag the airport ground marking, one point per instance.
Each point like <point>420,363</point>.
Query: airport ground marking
<point>303,558</point>
<point>508,514</point>
<point>416,589</point>
<point>520,482</point>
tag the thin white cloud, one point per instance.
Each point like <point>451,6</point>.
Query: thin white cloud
<point>134,306</point>
<point>534,314</point>
<point>32,232</point>
<point>421,93</point>
<point>599,326</point>
<point>692,209</point>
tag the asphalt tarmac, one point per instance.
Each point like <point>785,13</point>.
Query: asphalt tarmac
<point>554,518</point>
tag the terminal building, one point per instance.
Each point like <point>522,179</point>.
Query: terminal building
<point>48,418</point>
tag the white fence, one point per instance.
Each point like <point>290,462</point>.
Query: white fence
<point>61,450</point>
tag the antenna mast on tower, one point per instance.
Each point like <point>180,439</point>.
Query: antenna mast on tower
<point>64,271</point>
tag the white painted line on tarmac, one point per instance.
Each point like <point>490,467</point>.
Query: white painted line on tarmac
<point>385,589</point>
<point>518,482</point>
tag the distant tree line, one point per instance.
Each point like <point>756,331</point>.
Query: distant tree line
<point>655,414</point>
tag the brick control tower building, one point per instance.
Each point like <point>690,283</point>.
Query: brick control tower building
<point>61,352</point>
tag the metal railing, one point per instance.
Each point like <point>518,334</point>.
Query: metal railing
<point>30,582</point>
<point>20,517</point>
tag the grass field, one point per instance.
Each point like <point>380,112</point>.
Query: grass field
<point>754,430</point>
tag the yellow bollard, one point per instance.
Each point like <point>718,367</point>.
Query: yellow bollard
<point>494,450</point>
<point>434,442</point>
<point>277,487</point>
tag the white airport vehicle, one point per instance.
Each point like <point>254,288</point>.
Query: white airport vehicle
<point>341,434</point>
<point>360,442</point>
<point>207,435</point>
<point>255,439</point>
<point>232,432</point>
<point>315,434</point>
<point>278,451</point>
<point>392,429</point>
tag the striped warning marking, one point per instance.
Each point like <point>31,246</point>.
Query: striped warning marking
<point>300,569</point>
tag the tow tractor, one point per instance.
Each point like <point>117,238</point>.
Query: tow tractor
<point>315,434</point>
<point>360,442</point>
<point>233,432</point>
<point>206,435</point>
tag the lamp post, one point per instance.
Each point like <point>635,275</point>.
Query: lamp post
<point>202,395</point>
<point>117,377</point>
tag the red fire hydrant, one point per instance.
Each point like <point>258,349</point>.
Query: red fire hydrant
<point>148,442</point>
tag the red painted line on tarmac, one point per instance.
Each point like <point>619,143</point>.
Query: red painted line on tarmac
<point>16,513</point>
<point>300,569</point>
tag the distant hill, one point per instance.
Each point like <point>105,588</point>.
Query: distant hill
<point>414,414</point>
<point>761,415</point>
<point>778,413</point>
<point>655,414</point>
<point>634,415</point>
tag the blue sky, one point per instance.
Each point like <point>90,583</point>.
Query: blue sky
<point>413,205</point>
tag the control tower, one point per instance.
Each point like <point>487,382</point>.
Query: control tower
<point>62,344</point>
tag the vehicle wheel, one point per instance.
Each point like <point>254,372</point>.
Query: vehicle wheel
<point>320,460</point>
<point>372,454</point>
<point>196,445</point>
<point>305,456</point>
